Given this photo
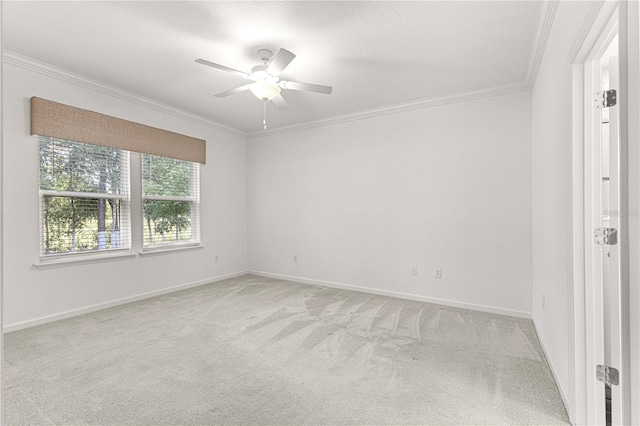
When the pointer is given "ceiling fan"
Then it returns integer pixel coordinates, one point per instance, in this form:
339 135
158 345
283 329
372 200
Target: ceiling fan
266 84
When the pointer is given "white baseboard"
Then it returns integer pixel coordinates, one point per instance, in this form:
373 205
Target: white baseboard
88 309
445 302
553 372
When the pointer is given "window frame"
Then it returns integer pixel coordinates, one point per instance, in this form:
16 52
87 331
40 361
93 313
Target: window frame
194 200
125 205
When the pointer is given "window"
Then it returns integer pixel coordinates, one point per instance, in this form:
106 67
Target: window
171 201
85 204
84 198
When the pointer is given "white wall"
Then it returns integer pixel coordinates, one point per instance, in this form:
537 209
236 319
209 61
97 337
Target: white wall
31 294
360 202
552 168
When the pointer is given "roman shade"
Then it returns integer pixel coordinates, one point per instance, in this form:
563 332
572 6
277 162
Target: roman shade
65 122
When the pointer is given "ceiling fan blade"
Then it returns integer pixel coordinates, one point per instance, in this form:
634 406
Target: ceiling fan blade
280 102
222 67
233 91
317 88
280 62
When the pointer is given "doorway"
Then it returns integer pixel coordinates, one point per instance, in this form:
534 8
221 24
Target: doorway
602 225
606 295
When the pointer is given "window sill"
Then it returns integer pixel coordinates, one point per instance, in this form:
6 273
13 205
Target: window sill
79 260
100 258
168 250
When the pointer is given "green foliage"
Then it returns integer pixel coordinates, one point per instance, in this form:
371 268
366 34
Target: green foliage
59 234
163 217
171 178
166 176
78 167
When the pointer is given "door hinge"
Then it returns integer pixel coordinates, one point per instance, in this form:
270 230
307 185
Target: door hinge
608 375
606 99
605 236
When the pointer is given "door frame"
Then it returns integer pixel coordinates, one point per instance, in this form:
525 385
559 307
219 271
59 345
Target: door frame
630 222
587 397
588 349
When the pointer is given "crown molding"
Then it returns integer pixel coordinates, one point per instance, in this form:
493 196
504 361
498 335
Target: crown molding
545 22
12 58
543 30
397 108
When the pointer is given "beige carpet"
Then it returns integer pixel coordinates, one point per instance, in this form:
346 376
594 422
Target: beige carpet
253 350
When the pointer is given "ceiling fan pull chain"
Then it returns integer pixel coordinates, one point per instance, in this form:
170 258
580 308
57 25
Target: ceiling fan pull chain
264 121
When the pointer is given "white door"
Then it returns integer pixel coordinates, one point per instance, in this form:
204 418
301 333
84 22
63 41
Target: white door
610 191
611 199
602 166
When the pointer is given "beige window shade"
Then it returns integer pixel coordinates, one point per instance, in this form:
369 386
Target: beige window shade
61 121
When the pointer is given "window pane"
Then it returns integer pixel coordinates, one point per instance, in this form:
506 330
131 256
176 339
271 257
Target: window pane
167 222
166 176
78 167
72 224
73 218
170 201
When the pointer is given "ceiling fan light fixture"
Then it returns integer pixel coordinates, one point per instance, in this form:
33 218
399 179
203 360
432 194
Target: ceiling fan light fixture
264 90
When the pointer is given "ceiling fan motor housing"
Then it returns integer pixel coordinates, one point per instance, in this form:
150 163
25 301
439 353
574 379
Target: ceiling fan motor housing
259 73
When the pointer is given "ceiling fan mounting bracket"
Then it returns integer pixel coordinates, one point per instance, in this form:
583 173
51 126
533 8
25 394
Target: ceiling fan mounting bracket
265 55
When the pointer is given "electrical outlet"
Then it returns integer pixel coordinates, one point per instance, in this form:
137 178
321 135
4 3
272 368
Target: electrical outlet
295 258
215 257
438 273
414 271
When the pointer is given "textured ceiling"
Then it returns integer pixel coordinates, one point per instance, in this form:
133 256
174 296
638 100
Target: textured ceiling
374 54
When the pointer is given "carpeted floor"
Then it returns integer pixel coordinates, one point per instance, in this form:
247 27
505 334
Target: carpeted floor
253 350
